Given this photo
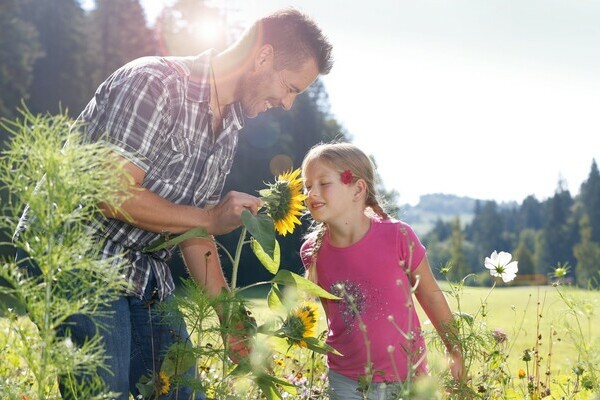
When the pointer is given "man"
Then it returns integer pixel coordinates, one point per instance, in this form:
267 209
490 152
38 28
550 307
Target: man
175 123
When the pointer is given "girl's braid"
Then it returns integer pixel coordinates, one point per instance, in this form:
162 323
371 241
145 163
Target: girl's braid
372 202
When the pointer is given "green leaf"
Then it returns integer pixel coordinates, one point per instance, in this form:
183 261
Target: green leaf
279 344
284 383
286 277
161 243
319 346
146 386
179 359
242 368
268 388
262 229
275 299
270 263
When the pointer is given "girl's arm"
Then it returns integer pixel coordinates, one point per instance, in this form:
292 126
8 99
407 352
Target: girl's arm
434 303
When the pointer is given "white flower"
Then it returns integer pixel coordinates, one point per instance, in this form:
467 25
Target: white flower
500 265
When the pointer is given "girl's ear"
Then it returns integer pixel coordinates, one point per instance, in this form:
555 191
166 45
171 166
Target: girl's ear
360 189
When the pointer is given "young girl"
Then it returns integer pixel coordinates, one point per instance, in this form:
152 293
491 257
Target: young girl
374 264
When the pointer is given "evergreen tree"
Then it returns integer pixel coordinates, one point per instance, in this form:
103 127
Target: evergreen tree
59 79
590 197
120 26
458 261
441 230
19 50
526 251
587 254
525 257
557 230
530 214
486 229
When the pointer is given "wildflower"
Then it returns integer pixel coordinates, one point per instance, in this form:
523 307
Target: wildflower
526 355
279 361
284 201
164 384
499 336
301 323
347 177
500 265
560 272
522 373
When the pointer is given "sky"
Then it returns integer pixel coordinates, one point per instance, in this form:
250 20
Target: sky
490 99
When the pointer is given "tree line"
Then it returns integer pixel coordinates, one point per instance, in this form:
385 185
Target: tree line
562 232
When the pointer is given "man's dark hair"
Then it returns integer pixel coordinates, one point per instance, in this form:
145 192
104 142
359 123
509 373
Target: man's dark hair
295 37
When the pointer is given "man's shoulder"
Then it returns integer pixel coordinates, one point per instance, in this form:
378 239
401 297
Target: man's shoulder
153 65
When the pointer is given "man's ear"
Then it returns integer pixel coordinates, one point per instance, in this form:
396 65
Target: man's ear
264 57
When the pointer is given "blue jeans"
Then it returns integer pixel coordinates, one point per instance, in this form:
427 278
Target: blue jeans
344 388
135 337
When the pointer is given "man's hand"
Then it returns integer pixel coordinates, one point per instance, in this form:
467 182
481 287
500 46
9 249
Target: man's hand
238 343
227 214
242 327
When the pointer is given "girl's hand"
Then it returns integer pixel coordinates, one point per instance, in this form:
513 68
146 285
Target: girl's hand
457 365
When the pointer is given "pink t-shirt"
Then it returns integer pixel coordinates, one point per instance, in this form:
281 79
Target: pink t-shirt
373 273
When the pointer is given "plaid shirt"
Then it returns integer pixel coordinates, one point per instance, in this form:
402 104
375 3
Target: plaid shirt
151 113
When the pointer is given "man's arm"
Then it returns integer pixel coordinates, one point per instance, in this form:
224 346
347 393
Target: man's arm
202 260
147 210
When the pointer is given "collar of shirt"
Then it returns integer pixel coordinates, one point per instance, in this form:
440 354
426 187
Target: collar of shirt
200 65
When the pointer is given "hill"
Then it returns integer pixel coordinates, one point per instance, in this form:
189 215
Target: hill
446 207
432 207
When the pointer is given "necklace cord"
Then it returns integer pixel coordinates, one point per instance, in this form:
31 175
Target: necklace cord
212 73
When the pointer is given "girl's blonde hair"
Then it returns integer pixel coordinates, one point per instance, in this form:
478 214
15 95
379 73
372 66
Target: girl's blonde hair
341 156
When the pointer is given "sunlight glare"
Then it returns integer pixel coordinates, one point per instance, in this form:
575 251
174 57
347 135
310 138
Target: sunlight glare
207 29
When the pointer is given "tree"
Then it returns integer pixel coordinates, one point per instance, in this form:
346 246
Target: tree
525 257
19 50
530 214
590 198
458 260
486 229
557 234
587 254
59 79
120 26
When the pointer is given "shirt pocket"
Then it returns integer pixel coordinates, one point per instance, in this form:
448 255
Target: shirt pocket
178 155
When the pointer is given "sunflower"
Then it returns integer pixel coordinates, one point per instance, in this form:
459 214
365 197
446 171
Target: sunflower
284 201
164 383
301 323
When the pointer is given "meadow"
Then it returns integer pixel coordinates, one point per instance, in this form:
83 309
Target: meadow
557 319
557 322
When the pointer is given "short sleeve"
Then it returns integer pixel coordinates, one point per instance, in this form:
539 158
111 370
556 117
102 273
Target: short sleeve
133 113
410 248
306 253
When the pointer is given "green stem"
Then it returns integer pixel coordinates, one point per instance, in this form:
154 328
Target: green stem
236 260
484 302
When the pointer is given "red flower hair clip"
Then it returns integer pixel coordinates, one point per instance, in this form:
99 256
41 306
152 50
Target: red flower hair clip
347 177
